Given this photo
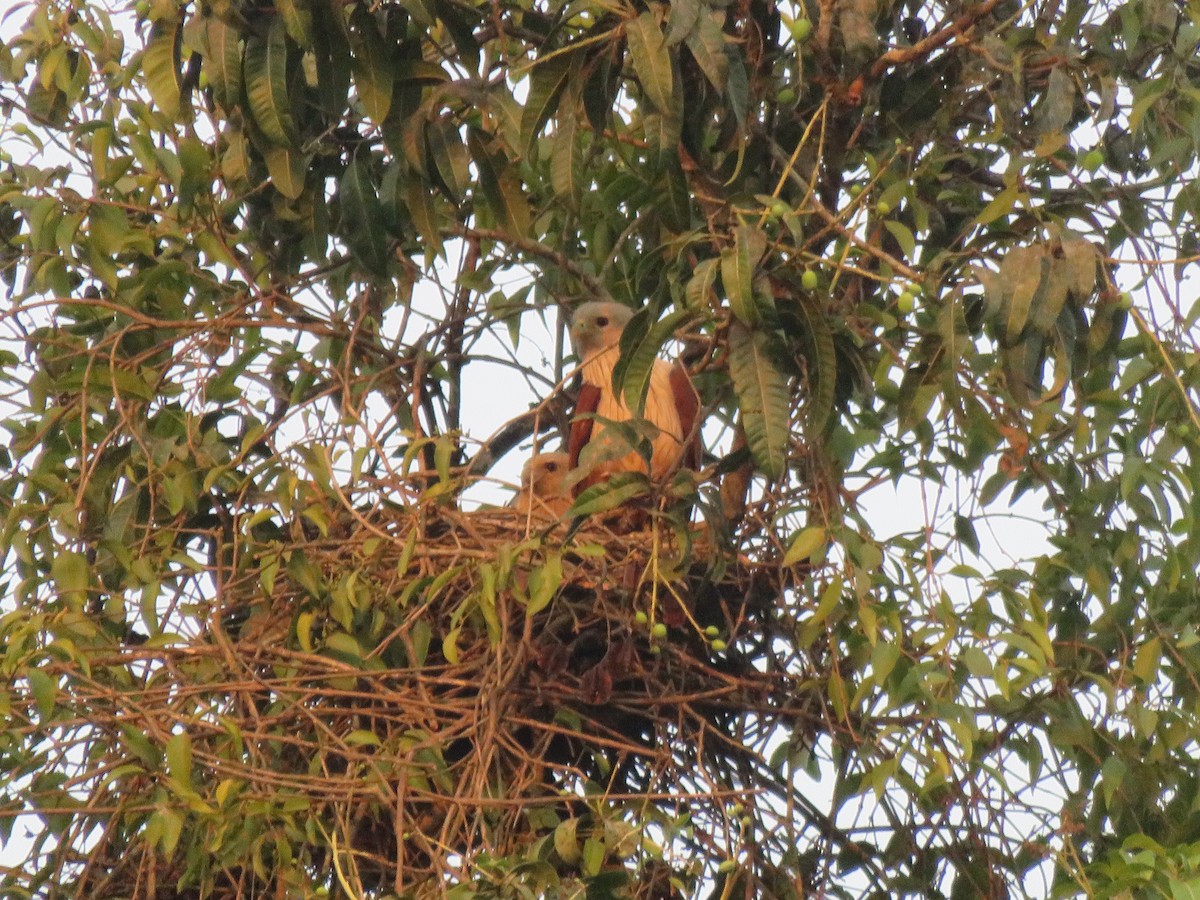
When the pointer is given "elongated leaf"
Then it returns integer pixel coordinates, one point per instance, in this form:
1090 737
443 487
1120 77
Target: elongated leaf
611 493
500 187
566 158
822 363
362 218
651 60
223 63
682 21
371 64
287 167
179 758
707 43
600 88
419 201
737 275
546 84
804 545
762 391
297 19
699 289
1030 274
639 352
676 199
331 51
160 66
449 156
662 134
265 71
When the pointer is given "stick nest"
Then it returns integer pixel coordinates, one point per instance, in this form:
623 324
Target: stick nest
411 695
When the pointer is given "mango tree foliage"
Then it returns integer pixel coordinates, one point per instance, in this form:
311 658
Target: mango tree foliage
933 263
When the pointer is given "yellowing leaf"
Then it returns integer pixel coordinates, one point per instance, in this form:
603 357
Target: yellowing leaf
651 60
160 66
804 545
762 391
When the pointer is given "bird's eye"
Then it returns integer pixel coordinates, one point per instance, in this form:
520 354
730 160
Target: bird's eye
602 321
551 467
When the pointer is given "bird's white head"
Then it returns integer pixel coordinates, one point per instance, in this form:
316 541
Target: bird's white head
597 326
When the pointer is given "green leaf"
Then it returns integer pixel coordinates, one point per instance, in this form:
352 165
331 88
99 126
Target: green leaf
544 582
546 84
763 396
265 68
297 19
804 545
651 60
44 690
419 199
682 20
822 362
566 158
640 346
449 155
371 64
288 168
611 493
160 66
707 43
223 63
72 575
178 752
501 189
737 275
699 287
362 218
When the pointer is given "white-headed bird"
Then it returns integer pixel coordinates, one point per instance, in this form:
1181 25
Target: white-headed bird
543 493
672 404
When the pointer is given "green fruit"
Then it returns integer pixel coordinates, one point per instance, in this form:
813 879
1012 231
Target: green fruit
747 822
712 631
779 209
142 9
906 302
718 645
640 617
736 810
1125 300
727 866
659 630
1093 160
883 207
809 280
855 190
801 29
786 96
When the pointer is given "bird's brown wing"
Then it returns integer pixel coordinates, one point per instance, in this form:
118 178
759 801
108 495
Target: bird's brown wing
581 425
687 404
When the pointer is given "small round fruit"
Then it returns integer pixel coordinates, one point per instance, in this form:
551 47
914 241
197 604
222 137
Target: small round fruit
747 822
883 207
718 645
655 649
659 630
801 29
786 96
1125 300
855 190
906 302
712 631
640 617
142 9
737 809
1092 160
809 280
727 866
